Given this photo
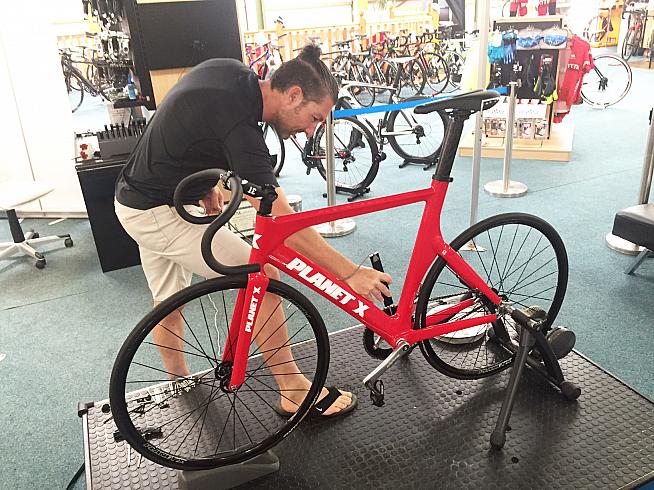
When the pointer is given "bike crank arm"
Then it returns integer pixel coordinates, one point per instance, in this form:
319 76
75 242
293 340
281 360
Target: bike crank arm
372 381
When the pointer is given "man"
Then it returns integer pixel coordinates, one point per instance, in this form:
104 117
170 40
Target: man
210 120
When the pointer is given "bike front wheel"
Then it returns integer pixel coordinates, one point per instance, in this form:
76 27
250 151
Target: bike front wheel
523 259
631 43
195 421
75 90
356 155
607 83
416 137
439 73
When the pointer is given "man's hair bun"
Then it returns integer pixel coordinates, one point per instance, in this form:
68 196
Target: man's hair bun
310 53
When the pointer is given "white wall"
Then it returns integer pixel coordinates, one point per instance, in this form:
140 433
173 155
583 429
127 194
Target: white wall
39 120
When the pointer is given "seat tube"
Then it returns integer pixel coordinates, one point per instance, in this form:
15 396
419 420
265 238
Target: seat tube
450 144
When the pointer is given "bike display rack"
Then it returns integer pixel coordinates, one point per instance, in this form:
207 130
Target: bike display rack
432 429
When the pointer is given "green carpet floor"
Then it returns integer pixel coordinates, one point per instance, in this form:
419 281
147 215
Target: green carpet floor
60 327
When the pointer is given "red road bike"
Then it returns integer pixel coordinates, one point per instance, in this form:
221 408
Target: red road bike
468 305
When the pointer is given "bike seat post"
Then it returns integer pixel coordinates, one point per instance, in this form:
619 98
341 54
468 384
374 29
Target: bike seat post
451 140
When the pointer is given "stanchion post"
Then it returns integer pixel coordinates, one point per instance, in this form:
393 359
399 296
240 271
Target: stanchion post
506 187
619 244
483 24
343 226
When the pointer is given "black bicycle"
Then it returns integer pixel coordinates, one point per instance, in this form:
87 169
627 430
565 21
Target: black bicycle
76 83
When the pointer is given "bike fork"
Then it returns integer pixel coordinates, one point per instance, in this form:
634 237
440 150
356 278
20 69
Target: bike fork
372 381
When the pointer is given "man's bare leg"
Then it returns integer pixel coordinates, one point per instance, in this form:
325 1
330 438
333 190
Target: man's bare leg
272 341
271 336
168 336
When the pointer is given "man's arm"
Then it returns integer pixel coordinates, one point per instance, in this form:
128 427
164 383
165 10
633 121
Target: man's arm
363 280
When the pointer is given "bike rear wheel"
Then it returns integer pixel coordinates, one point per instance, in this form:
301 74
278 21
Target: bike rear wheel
356 155
197 422
523 259
423 134
608 83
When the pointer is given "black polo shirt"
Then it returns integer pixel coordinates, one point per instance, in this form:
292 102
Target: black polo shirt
208 120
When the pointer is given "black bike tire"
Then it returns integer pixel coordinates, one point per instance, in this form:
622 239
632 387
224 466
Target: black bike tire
466 237
398 148
452 54
360 74
438 59
279 164
371 145
117 385
630 42
410 73
70 75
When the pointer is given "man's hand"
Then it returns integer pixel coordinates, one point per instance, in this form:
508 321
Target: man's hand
368 283
213 202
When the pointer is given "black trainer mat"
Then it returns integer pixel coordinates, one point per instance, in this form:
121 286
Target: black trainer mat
434 432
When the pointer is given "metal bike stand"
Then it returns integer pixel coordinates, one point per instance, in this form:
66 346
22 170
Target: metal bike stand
619 244
507 187
343 226
229 476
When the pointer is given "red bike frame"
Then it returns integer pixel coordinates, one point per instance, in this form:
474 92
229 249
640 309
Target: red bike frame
268 248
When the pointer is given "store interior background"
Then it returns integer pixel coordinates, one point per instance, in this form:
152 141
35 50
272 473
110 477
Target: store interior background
60 327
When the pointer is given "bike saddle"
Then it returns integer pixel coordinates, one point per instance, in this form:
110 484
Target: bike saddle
472 102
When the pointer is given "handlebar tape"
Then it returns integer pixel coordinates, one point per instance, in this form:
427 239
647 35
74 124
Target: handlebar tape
233 183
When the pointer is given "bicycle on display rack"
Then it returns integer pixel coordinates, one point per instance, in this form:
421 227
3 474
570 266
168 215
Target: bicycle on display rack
356 154
76 83
358 144
264 59
247 333
608 82
416 138
346 65
635 31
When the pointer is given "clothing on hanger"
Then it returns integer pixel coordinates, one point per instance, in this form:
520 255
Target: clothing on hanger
552 7
518 8
579 63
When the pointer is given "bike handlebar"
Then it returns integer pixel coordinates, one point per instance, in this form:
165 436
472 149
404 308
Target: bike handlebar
233 183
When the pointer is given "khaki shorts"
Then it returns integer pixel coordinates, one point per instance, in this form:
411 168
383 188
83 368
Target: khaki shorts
170 247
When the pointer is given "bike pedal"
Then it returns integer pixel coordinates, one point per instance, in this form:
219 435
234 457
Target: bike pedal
377 393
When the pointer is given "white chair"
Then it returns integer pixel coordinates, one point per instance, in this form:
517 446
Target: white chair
12 195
